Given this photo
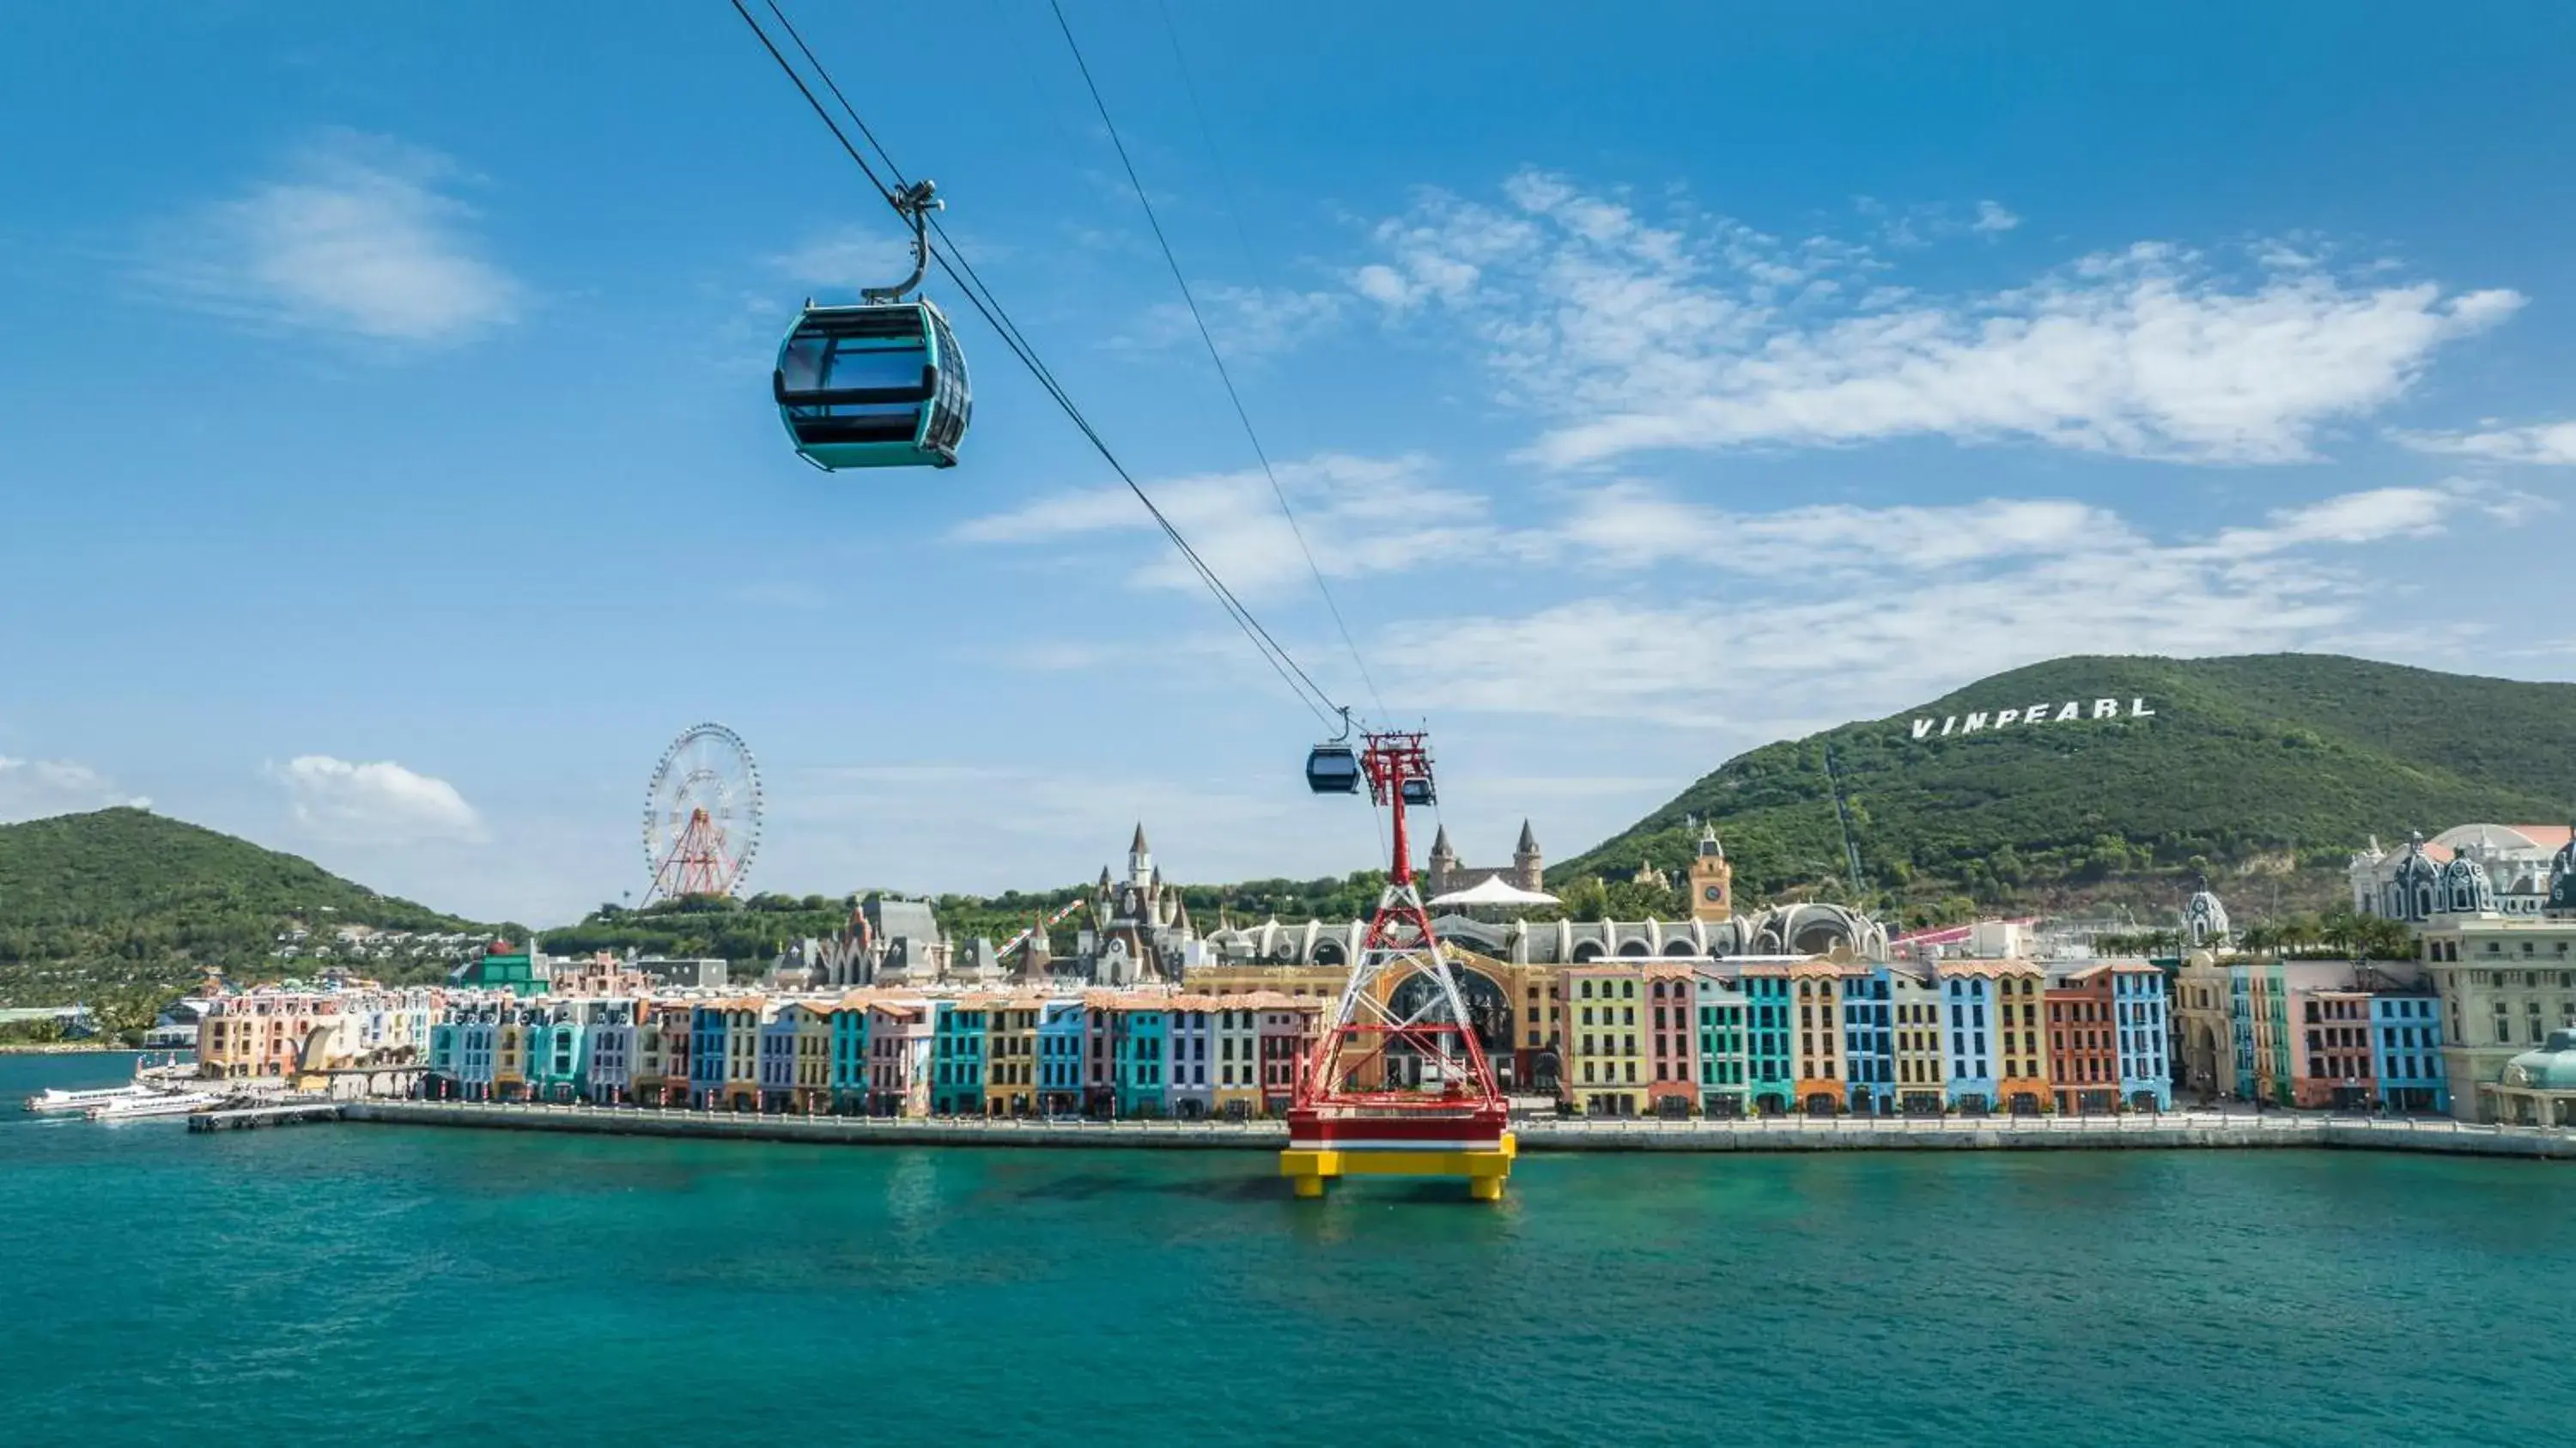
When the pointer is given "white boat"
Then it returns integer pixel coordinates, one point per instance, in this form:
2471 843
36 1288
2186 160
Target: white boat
156 1103
55 1098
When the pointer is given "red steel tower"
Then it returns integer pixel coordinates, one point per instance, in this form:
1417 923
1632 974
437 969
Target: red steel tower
1389 1092
697 864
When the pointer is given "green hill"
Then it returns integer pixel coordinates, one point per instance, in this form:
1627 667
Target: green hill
2280 763
122 900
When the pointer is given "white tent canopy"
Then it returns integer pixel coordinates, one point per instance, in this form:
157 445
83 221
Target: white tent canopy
1492 891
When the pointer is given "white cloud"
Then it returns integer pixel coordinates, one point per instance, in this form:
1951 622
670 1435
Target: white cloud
848 259
356 238
1853 611
1247 322
1359 515
1993 218
379 802
2550 444
1628 336
38 788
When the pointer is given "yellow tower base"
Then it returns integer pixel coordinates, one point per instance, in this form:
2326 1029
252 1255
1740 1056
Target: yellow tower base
1485 1171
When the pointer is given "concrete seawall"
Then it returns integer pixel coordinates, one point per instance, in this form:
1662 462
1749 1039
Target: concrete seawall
2188 1130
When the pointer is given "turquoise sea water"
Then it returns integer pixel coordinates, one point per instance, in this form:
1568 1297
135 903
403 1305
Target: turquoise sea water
388 1285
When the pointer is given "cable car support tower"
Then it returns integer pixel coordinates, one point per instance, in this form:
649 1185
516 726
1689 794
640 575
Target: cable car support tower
1389 1093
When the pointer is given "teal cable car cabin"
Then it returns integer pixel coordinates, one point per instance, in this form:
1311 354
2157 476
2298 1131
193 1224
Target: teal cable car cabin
877 385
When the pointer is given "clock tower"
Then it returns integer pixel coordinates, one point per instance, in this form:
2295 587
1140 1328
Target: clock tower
1712 880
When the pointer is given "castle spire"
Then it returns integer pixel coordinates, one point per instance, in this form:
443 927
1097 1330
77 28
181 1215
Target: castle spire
1529 840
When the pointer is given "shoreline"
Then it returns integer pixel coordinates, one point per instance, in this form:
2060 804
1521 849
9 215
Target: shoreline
2171 1131
66 1048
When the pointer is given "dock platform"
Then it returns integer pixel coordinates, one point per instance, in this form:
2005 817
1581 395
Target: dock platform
245 1118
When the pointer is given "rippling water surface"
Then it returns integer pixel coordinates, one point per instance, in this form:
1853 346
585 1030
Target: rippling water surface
390 1285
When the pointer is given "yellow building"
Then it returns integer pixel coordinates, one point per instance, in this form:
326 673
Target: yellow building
742 1053
1605 1063
1011 1055
510 1060
2021 1058
1921 1076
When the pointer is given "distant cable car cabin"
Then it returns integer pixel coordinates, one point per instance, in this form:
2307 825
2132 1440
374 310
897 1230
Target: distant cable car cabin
1417 791
881 384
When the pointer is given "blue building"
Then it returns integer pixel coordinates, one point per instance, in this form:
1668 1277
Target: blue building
1139 1054
1869 1043
1768 1061
706 1055
777 1062
2146 1073
957 1060
850 1060
1967 1001
2240 1018
1060 1037
2406 1052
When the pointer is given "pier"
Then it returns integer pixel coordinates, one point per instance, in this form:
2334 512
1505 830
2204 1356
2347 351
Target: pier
2169 1131
245 1118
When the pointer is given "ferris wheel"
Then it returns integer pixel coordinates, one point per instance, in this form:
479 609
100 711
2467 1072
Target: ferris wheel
701 815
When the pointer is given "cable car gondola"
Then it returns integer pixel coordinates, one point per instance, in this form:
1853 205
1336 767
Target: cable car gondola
881 384
1417 791
1332 769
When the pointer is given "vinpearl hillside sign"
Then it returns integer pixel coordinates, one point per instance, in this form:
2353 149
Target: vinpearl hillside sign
2072 711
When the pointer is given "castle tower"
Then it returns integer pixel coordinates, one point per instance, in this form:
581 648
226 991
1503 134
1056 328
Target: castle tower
1526 863
1140 859
1712 880
1441 877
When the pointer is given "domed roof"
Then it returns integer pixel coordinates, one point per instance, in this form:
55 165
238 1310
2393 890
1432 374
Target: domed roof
2551 1068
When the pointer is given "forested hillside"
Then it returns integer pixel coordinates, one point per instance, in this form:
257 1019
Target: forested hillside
2269 765
121 900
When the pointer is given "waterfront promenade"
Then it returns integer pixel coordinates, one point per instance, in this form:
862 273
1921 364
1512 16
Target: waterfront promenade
2175 1130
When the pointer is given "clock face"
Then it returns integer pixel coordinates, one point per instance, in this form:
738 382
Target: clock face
1712 894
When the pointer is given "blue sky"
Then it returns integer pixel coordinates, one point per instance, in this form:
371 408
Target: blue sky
389 468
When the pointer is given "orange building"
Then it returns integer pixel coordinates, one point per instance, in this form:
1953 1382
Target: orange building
2083 1040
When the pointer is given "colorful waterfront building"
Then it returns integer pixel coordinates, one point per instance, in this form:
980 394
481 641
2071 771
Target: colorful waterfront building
900 1039
1191 1096
1289 1028
2023 1087
1238 1058
2331 1056
609 1045
1869 1038
1010 1055
1139 1049
1770 1061
478 1043
1673 1055
2406 1051
706 1054
2139 995
849 1075
558 1062
510 1057
1099 1054
1604 1065
1817 1072
2083 1039
1718 1049
1061 1036
1914 1007
957 1057
1968 1001
795 1059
